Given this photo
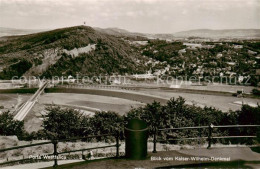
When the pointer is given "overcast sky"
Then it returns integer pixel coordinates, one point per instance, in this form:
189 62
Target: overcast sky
149 16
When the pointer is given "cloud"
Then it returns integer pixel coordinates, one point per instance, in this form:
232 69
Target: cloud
134 15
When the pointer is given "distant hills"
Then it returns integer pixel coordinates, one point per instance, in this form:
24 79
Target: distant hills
13 32
118 32
201 33
226 33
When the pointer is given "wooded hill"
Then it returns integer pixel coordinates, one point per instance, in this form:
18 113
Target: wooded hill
67 51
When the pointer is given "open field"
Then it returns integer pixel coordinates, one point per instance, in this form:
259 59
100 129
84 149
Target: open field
220 87
195 86
79 101
117 93
223 103
12 101
105 103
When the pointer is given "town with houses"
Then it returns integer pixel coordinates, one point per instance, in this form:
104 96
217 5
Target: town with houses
219 58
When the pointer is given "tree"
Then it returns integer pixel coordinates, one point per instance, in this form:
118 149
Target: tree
62 123
106 123
249 115
9 126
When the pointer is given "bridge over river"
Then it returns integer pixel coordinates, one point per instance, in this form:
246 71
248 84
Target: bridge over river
26 107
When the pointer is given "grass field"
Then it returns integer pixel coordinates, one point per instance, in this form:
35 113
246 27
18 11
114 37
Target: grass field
223 103
12 101
79 101
105 103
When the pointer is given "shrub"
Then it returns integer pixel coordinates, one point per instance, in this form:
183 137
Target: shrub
106 122
68 123
9 126
256 92
62 123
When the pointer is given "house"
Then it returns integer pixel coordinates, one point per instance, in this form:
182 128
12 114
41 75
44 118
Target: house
182 51
219 55
148 75
258 56
231 63
251 52
237 46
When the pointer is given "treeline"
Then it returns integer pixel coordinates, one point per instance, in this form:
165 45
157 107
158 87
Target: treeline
63 123
16 69
165 51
